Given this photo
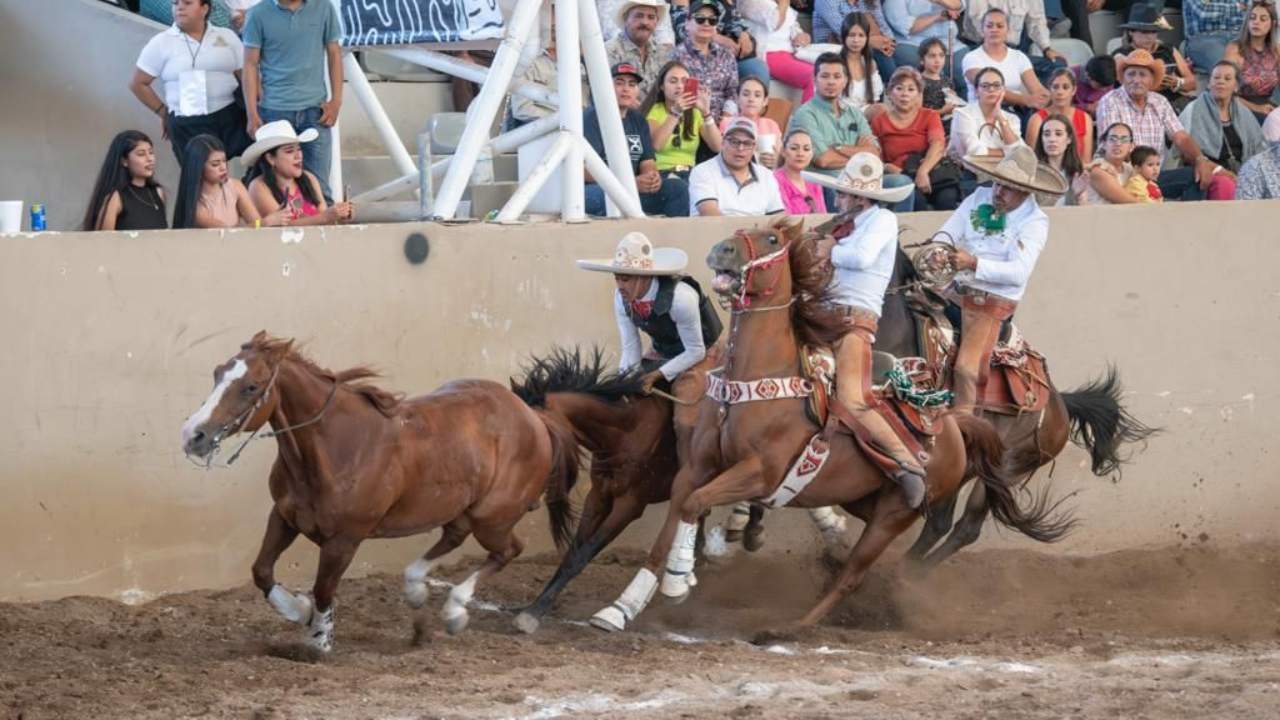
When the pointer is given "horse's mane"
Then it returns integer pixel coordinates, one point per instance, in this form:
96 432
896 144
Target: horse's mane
811 314
384 401
572 371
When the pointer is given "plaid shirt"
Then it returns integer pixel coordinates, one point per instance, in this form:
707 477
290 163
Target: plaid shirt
1151 124
1259 177
1213 16
717 71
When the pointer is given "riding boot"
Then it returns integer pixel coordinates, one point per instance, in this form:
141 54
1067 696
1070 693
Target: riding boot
910 474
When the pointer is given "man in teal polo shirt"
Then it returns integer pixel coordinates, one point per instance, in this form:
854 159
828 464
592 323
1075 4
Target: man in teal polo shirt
838 131
287 44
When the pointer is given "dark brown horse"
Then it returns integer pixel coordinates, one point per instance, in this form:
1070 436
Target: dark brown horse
1092 417
357 462
743 451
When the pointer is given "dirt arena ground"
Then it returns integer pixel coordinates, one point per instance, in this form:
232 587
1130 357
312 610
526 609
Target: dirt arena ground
1188 632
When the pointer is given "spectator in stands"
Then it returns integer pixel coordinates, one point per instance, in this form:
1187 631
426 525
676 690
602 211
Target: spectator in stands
799 196
1152 120
707 58
658 195
279 180
678 120
983 127
1028 25
199 67
287 45
752 98
1209 26
1109 174
1179 84
828 20
938 94
1260 176
914 21
731 33
776 28
541 71
1062 91
1078 11
637 45
1224 128
1056 146
126 195
239 10
614 19
913 143
838 131
1022 89
208 197
1095 79
731 183
1142 186
865 88
1257 54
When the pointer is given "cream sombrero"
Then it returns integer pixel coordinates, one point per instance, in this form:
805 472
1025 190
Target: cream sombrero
863 175
1019 168
273 135
637 256
659 6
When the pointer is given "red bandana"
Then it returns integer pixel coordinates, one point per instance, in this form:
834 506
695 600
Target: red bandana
642 308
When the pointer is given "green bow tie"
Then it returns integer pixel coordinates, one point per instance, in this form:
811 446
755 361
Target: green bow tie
986 218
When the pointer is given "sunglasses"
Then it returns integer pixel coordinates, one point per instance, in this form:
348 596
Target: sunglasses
705 19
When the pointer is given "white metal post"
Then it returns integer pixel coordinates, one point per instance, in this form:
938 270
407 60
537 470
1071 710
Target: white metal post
610 119
533 183
569 85
626 200
376 114
486 105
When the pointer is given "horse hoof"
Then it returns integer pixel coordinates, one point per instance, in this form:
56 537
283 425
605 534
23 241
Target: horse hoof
609 619
527 623
320 642
457 623
416 594
753 541
773 635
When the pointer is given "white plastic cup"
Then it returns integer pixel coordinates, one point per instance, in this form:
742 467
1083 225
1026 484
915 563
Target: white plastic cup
11 216
768 144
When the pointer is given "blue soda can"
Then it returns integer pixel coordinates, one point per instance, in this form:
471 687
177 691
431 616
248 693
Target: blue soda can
37 217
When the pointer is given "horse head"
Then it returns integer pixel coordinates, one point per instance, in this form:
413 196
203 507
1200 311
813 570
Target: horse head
242 397
752 265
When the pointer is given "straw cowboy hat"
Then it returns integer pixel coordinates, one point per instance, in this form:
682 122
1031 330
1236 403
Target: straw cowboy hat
863 176
1020 169
1141 58
637 256
659 6
1146 17
273 135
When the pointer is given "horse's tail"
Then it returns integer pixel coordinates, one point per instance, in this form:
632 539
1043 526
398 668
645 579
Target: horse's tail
566 461
1101 424
1042 521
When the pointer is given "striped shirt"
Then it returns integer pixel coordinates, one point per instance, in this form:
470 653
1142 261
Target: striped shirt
1151 124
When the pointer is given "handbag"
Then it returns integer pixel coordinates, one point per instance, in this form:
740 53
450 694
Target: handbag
945 174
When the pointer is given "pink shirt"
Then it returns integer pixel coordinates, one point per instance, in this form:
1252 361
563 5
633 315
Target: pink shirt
796 202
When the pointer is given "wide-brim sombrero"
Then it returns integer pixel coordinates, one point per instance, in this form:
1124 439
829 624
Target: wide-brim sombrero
1019 168
637 256
863 176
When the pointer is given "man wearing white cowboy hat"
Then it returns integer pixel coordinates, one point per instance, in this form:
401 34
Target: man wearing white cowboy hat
997 235
863 261
655 297
641 43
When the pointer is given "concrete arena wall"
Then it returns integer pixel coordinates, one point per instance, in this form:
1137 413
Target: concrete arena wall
111 338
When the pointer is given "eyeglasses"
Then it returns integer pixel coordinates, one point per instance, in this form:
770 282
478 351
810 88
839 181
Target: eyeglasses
991 86
741 143
705 19
1121 139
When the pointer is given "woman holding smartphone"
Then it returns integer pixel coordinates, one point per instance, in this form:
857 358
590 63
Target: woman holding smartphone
677 110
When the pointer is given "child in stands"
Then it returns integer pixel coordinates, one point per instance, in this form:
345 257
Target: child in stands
938 94
753 95
1146 168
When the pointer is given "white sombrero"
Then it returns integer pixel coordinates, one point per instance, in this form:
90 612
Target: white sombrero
1021 169
863 175
273 135
637 256
660 6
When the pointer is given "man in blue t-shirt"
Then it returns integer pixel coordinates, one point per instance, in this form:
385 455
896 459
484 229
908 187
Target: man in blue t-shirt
658 195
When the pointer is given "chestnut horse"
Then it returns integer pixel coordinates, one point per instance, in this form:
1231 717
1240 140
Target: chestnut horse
743 451
1093 417
357 462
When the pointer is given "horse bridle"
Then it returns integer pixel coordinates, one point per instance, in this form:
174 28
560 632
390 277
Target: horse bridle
755 262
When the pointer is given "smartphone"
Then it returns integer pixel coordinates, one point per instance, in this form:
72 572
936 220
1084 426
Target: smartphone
691 86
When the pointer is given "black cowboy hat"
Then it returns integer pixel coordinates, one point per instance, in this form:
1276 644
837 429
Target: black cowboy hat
1147 17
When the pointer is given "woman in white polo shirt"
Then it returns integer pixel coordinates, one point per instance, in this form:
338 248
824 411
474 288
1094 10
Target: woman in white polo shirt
1023 89
198 65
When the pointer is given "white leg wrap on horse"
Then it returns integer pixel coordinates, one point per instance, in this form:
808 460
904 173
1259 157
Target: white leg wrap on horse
828 521
628 605
415 581
294 608
455 608
739 516
320 630
676 582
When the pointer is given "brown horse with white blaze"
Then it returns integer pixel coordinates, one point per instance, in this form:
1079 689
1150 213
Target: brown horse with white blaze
357 462
743 451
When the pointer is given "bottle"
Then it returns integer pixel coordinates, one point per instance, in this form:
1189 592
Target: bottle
38 217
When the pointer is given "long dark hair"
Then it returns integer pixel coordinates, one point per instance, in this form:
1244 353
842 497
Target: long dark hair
857 19
264 170
685 127
114 176
1268 40
194 158
1071 162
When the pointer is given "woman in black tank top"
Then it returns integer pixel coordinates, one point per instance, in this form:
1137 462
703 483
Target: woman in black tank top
126 196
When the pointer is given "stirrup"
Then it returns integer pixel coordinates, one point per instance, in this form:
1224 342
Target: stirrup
912 486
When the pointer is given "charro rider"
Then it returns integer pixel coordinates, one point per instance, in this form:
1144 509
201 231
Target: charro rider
654 296
996 234
863 259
